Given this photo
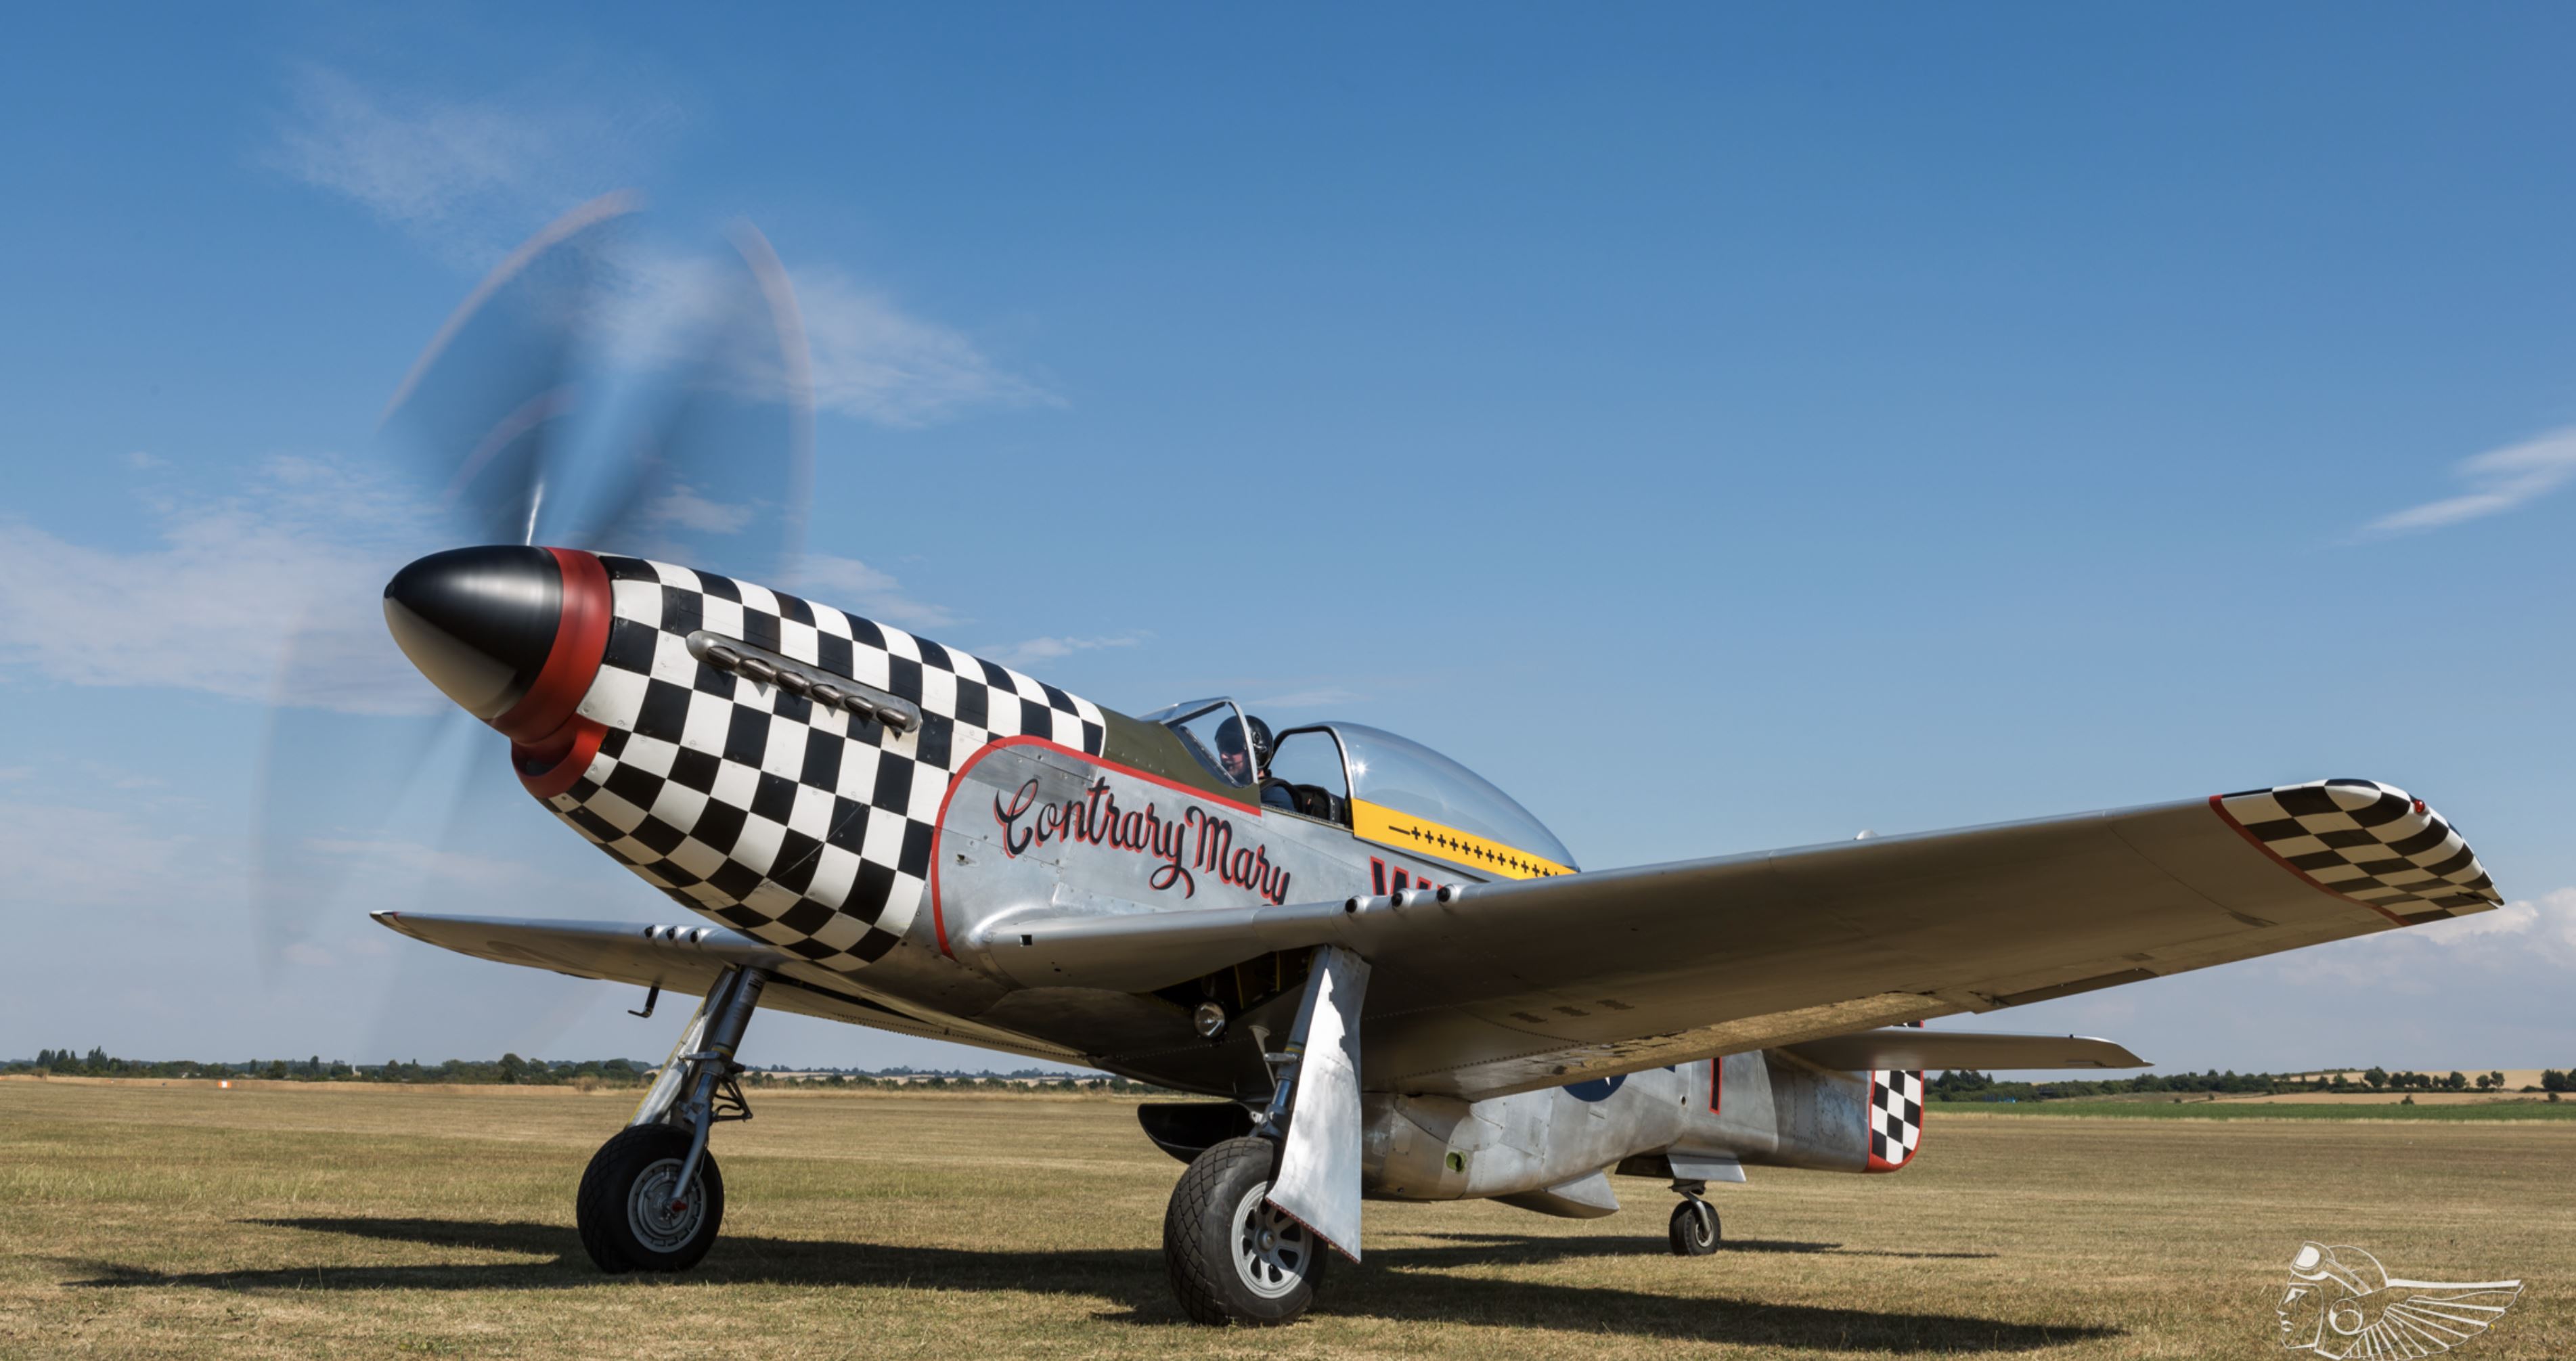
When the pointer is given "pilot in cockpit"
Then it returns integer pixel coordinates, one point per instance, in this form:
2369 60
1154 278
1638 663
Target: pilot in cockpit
1249 762
1244 762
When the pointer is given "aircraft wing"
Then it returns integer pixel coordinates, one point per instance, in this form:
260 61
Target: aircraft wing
684 961
1511 986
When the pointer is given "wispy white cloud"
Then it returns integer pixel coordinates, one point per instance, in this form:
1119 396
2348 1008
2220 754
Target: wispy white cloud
874 361
306 905
868 357
73 859
2411 959
328 879
1056 649
684 508
119 778
2499 480
847 583
466 177
470 177
296 553
2548 921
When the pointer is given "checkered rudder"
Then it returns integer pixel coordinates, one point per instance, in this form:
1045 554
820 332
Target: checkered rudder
807 828
1895 1119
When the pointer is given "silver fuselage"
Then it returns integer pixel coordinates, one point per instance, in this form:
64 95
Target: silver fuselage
1019 822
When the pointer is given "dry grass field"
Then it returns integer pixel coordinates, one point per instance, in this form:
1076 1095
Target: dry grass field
293 1220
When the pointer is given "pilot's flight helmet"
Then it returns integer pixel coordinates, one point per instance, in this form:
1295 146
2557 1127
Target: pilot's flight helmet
1229 740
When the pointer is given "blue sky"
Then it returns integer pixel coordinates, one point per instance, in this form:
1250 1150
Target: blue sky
1724 428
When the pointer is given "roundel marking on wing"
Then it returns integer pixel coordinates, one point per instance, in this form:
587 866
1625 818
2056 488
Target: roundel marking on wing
1598 1089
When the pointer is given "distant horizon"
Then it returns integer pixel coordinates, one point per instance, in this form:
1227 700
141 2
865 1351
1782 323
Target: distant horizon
907 1070
897 1070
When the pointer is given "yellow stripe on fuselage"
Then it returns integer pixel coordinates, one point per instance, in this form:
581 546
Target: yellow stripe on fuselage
1422 836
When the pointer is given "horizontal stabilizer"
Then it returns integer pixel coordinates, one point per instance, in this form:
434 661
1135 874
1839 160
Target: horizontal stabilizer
1906 1049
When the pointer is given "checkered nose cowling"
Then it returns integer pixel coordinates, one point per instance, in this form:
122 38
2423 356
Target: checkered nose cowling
807 827
1895 1119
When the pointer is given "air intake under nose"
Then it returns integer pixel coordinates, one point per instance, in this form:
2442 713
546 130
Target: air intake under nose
512 634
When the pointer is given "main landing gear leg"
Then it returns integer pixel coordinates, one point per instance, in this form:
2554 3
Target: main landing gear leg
1233 1254
1695 1231
652 1198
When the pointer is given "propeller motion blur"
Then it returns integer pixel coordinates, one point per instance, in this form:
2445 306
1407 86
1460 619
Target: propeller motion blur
1386 977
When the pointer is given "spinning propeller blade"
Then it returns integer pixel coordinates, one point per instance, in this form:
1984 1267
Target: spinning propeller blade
574 399
717 472
482 411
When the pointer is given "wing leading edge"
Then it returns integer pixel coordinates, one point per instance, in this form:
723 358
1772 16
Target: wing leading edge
685 960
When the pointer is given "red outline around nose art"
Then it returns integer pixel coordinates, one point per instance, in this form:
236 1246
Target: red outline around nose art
550 744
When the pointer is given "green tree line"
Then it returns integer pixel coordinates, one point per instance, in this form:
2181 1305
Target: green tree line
1967 1085
512 1070
509 1068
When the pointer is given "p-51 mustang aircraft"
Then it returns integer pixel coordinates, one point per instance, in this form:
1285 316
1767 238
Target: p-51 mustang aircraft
1388 980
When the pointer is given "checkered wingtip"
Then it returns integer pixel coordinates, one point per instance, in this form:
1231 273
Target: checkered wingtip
809 828
2363 840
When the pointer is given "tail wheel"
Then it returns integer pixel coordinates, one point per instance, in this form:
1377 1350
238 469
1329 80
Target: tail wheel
632 1212
1695 1231
1232 1258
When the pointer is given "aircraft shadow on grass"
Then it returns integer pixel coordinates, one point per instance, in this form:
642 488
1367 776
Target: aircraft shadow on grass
1402 1283
1467 1248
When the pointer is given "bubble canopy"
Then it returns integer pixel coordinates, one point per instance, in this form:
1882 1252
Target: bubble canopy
1375 765
1407 776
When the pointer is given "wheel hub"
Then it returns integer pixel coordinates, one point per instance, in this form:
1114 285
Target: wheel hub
1272 1252
665 1219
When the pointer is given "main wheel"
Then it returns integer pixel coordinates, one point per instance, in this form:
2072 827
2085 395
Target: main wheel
1232 1258
625 1209
1695 1230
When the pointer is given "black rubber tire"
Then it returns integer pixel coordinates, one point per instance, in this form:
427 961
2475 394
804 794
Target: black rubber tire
1199 1239
603 1207
1695 1230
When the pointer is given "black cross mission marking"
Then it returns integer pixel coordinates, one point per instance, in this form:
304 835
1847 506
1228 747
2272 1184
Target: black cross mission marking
1457 847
